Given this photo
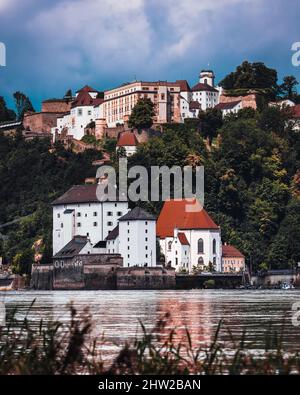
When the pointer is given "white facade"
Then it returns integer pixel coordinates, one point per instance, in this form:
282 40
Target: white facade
205 248
129 149
177 254
94 220
137 242
232 110
85 109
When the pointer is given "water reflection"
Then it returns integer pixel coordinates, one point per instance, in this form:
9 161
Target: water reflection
117 313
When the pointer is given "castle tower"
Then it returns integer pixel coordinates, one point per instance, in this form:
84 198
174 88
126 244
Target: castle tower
207 77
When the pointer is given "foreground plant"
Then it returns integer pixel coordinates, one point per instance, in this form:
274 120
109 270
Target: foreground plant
60 348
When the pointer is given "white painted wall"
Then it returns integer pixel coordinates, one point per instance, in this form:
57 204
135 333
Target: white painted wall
137 242
193 236
93 219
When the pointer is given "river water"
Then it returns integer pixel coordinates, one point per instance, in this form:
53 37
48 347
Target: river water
117 313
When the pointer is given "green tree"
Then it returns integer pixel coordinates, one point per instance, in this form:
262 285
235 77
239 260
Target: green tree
22 262
252 76
285 250
288 87
5 113
211 121
141 115
23 104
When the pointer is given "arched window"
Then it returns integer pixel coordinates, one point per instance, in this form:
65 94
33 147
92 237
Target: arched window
200 246
170 245
214 246
200 261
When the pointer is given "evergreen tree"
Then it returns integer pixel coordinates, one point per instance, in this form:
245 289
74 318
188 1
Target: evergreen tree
141 115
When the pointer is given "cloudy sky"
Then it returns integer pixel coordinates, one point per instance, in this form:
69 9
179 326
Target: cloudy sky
53 45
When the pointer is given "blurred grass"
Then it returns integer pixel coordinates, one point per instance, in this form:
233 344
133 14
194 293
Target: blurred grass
58 348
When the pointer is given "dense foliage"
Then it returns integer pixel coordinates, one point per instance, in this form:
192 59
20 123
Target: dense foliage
251 180
141 115
32 175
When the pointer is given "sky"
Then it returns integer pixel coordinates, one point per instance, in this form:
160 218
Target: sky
54 45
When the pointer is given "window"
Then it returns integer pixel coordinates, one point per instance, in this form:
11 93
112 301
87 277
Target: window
95 213
146 255
146 230
214 261
200 246
95 223
128 247
109 213
119 213
78 224
146 223
214 246
58 215
78 214
61 225
169 246
176 261
200 261
146 238
89 112
146 247
79 111
109 223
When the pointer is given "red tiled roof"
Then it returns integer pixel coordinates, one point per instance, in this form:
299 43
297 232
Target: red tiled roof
182 238
227 106
296 111
175 214
127 139
184 85
203 87
83 99
229 251
87 88
195 105
81 194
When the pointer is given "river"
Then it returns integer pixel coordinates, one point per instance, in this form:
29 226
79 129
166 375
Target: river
117 313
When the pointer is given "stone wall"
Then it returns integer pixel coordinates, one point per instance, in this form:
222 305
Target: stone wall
56 105
145 278
41 121
42 277
95 276
247 101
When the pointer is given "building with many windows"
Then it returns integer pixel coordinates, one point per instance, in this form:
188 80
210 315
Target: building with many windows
120 101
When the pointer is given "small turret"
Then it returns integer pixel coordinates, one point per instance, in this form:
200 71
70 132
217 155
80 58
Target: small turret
207 77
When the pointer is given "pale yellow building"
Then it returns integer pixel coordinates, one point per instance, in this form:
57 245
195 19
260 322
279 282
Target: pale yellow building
119 102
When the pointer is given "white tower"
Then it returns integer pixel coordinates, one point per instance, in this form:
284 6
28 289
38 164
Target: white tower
207 77
137 235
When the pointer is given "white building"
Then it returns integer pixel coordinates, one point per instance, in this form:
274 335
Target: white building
205 92
134 238
189 238
128 141
87 107
79 212
230 108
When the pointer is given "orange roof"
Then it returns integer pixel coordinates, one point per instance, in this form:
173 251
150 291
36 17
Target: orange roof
127 138
182 238
229 251
182 214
